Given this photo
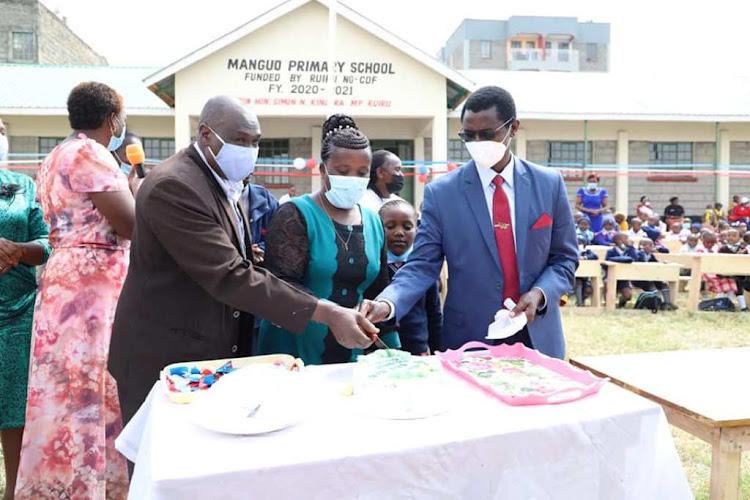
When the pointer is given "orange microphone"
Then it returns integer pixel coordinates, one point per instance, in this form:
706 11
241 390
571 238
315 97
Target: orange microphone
137 158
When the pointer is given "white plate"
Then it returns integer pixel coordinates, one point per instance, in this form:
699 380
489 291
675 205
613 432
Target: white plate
283 397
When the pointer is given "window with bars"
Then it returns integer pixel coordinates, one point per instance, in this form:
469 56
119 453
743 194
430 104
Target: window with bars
22 46
486 49
457 151
274 152
670 153
158 149
569 153
47 144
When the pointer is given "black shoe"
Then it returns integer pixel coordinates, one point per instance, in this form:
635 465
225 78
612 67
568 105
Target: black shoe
744 310
667 306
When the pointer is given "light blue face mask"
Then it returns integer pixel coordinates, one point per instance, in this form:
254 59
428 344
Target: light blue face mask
592 186
237 162
126 168
399 258
116 142
345 191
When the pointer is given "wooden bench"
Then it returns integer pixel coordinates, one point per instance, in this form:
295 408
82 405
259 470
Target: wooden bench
710 263
673 246
599 250
640 271
592 270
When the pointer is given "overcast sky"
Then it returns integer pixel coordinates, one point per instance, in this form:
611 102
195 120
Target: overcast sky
649 37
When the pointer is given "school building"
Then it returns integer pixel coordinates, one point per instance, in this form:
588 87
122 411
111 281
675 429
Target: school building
686 137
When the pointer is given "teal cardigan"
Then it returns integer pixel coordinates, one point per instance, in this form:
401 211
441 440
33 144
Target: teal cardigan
321 268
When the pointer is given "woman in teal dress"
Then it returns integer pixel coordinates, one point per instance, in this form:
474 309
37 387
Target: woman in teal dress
23 245
329 246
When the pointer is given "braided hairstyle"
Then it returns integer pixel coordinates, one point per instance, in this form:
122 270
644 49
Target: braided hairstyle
395 204
341 131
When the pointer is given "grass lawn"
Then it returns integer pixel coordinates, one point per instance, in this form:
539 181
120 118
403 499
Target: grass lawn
593 333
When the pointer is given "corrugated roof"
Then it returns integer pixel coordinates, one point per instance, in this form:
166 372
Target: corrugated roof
44 89
605 96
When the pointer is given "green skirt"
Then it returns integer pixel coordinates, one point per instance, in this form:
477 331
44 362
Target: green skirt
15 350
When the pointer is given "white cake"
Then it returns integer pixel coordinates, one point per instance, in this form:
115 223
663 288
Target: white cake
395 384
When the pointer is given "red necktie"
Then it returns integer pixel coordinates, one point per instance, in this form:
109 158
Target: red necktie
506 247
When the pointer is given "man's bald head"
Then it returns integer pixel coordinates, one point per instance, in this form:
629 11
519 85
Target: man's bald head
227 117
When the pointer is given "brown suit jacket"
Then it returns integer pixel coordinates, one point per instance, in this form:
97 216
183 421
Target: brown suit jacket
188 284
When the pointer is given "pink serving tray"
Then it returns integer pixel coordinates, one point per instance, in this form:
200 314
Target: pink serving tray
591 384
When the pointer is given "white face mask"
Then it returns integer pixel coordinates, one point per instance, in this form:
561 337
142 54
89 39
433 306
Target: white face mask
237 162
3 146
487 154
345 191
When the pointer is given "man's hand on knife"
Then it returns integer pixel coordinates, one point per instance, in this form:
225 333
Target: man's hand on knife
350 327
376 311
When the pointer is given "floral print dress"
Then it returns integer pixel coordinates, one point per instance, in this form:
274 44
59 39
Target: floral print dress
73 414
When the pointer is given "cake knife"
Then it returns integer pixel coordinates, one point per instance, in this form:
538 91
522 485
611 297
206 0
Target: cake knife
381 345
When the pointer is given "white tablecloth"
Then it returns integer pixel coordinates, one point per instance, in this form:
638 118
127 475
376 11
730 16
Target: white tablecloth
614 445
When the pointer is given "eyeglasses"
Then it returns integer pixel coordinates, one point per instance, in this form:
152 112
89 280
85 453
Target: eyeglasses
487 134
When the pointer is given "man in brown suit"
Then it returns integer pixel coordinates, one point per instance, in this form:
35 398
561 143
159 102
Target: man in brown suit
192 289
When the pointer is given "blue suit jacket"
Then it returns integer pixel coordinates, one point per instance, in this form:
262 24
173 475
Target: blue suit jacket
261 206
456 225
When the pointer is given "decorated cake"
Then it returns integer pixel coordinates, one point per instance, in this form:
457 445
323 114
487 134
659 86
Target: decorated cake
515 376
395 384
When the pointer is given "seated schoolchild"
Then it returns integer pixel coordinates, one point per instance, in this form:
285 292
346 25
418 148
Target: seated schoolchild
621 223
659 244
675 232
636 229
577 216
624 252
692 244
583 229
646 254
583 285
721 286
608 232
735 245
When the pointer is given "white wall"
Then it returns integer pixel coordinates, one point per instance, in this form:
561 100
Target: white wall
414 89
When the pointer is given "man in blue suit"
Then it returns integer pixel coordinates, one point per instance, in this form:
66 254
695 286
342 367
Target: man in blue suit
505 227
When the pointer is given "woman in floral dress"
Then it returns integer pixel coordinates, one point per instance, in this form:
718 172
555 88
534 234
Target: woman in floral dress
73 414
